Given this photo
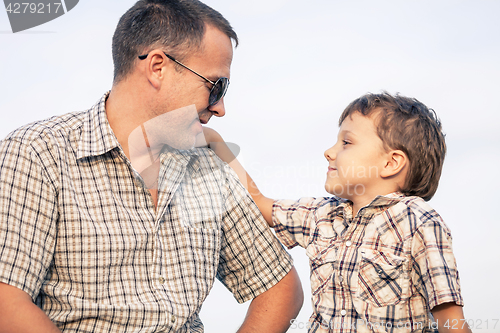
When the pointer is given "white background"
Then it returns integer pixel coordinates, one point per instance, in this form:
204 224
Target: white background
298 66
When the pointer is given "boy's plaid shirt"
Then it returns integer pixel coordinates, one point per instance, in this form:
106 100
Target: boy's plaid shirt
382 270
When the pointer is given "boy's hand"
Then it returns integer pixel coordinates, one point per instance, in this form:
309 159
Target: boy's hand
207 136
450 318
212 139
228 152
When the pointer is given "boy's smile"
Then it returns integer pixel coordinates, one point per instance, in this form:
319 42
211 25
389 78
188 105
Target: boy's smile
356 160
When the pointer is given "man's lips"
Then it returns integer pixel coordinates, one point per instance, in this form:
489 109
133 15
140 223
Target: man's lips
204 117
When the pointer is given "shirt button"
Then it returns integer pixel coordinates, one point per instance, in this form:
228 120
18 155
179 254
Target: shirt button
162 280
343 312
348 243
341 278
173 319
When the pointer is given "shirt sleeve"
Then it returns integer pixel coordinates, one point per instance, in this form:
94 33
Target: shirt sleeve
295 220
251 258
436 275
28 212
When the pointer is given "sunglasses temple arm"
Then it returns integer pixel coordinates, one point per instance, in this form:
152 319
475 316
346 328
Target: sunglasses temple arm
186 67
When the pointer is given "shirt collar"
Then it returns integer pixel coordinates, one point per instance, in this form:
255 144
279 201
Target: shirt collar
97 136
386 200
381 202
341 205
183 157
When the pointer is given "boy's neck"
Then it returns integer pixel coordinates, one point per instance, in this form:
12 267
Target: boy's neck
356 206
359 202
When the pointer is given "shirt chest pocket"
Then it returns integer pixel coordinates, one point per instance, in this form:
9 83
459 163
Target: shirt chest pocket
322 257
382 278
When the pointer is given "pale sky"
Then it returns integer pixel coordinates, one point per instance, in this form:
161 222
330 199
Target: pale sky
297 67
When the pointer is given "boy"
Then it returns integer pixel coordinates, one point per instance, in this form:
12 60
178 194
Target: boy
381 259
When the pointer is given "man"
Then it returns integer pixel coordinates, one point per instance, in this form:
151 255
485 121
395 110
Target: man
93 238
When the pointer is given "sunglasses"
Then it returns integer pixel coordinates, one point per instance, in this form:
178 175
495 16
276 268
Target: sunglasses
219 87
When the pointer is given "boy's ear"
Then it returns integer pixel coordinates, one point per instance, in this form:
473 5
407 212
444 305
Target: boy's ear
395 163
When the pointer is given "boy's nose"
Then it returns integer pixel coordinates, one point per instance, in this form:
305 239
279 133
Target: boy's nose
330 154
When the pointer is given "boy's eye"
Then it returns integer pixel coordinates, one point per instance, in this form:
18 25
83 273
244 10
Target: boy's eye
344 142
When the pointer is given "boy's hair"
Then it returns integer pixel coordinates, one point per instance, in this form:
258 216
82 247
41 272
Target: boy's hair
406 124
176 25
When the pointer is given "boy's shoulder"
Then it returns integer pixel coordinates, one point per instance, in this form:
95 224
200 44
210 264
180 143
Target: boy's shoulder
415 213
420 208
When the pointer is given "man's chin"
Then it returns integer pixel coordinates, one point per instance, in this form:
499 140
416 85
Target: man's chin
183 144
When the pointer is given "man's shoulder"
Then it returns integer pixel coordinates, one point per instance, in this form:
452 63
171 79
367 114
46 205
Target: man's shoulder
208 160
213 169
205 153
60 126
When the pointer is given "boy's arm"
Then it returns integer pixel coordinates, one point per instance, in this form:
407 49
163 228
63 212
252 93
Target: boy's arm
217 144
450 318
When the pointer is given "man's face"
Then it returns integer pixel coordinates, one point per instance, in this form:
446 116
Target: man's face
184 105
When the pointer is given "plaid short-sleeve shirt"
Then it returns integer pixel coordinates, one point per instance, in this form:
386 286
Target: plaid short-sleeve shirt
380 271
80 234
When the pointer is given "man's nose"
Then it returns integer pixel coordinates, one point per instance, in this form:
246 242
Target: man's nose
218 109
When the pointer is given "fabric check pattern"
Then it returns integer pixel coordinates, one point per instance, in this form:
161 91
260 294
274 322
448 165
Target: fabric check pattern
80 234
380 271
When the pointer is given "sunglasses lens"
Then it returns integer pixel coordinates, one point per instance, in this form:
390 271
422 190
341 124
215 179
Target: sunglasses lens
218 90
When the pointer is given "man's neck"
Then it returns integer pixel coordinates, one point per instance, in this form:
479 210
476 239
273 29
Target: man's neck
124 108
124 111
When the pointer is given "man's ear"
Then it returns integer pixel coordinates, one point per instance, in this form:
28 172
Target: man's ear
395 164
155 65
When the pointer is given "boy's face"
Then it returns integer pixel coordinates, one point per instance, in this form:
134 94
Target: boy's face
356 160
